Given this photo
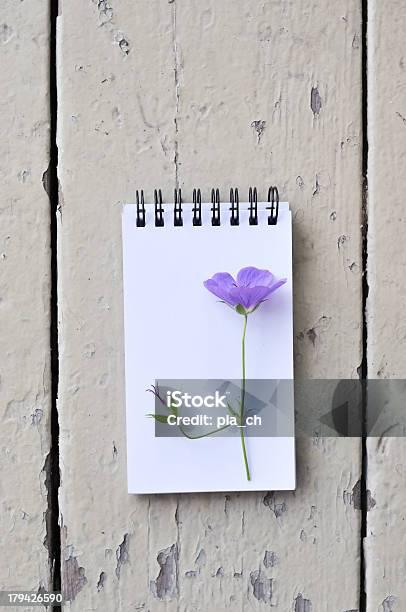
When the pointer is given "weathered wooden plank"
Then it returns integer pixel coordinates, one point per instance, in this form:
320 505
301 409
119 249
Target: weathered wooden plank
386 539
24 294
117 131
220 93
261 101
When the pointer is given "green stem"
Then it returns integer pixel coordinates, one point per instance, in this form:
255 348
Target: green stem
209 433
242 403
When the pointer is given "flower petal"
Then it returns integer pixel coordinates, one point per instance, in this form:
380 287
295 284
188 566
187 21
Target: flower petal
220 290
278 283
224 279
251 297
254 277
253 287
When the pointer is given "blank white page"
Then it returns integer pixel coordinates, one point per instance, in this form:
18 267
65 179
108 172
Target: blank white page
176 329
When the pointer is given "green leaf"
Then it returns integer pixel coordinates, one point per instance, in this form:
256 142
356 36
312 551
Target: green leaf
231 411
240 309
173 410
161 418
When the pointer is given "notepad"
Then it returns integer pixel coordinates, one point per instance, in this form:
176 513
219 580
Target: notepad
176 330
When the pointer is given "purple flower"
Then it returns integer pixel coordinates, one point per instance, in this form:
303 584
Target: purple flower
252 287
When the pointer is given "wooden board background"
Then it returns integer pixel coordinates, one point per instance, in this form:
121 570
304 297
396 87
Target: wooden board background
385 544
183 93
177 104
24 296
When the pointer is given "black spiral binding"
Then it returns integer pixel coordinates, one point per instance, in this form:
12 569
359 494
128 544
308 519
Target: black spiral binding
273 198
253 208
273 201
140 209
197 207
235 207
159 211
177 211
215 208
